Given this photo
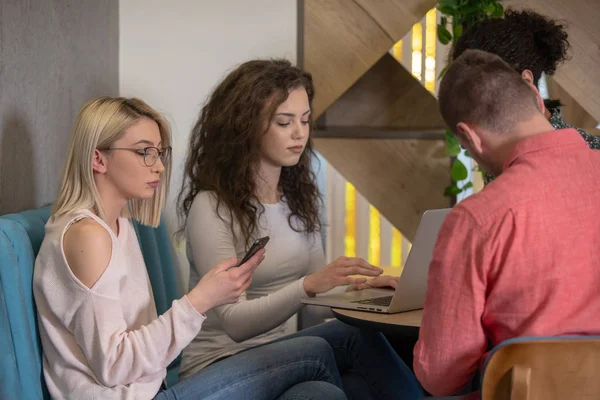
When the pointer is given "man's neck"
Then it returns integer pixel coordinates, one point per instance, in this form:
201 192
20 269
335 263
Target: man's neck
521 131
532 127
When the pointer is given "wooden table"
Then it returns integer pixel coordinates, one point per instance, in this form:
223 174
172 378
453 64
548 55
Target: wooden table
404 323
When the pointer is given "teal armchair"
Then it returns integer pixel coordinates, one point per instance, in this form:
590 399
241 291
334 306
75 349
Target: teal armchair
21 236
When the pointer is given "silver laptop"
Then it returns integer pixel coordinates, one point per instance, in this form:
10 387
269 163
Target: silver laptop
412 285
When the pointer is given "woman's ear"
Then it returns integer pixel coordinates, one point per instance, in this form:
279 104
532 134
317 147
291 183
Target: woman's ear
99 162
527 75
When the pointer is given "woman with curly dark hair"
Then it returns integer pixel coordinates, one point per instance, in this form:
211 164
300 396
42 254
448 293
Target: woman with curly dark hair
532 44
248 175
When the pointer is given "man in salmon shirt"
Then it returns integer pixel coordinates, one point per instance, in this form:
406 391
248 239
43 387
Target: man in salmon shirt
521 257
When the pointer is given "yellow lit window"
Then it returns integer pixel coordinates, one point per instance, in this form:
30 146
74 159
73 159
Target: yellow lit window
430 41
350 239
397 51
374 236
417 50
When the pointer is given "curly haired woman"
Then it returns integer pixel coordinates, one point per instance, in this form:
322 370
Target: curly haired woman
248 175
532 44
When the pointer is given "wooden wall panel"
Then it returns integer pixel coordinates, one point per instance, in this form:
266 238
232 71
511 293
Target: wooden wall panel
401 177
386 13
386 96
345 46
341 42
572 112
343 39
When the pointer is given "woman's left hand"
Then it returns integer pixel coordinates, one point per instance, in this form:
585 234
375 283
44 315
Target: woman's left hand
378 282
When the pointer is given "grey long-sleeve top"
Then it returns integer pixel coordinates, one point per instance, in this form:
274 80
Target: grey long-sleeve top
277 286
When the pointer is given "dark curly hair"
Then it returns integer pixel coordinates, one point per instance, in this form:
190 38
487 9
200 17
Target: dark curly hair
524 39
224 148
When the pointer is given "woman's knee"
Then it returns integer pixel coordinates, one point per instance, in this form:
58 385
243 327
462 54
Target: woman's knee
311 345
312 342
317 352
313 390
363 334
343 329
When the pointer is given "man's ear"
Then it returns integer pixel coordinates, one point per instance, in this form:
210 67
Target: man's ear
99 162
469 138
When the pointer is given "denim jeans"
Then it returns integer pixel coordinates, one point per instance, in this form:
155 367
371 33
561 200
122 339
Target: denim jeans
369 366
302 368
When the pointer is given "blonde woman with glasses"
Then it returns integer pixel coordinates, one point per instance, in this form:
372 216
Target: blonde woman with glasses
101 335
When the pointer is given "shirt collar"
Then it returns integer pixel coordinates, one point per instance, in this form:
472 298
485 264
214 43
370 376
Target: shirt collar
547 140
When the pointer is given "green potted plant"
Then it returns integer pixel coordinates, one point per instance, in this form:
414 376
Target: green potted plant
457 16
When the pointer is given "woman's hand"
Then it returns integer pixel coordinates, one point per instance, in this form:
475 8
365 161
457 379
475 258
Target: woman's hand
337 273
379 282
222 285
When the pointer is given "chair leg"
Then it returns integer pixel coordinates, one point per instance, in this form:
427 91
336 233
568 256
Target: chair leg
520 383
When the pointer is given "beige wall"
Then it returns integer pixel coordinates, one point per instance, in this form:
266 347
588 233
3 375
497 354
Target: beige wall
172 57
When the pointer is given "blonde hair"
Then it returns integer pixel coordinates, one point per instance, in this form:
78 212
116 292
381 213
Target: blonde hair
99 124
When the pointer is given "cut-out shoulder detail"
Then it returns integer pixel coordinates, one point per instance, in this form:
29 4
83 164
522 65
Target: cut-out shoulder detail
87 246
110 342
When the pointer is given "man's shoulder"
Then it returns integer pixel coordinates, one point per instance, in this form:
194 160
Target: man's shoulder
484 207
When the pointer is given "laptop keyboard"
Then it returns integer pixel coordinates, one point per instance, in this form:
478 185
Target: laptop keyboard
379 301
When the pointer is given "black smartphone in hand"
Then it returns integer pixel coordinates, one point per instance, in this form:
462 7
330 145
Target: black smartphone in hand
256 246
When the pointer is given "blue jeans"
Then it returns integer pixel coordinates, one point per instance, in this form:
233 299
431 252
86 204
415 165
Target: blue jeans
369 366
302 368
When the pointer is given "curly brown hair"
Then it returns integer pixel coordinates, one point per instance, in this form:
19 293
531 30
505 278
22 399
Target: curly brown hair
224 148
524 39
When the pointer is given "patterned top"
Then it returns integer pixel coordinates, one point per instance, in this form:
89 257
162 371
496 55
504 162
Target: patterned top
558 122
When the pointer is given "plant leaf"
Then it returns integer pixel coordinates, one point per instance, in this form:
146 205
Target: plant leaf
489 9
442 72
444 35
451 4
458 171
469 9
445 10
464 13
451 190
498 11
452 145
457 31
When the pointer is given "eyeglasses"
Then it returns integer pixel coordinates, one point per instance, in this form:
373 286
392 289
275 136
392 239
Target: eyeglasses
150 154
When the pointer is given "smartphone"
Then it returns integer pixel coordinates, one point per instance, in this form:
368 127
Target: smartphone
256 246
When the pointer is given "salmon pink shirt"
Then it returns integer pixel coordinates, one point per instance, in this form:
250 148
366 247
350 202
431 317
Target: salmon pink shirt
520 258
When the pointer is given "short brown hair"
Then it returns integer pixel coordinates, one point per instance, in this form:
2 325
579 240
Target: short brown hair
480 88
